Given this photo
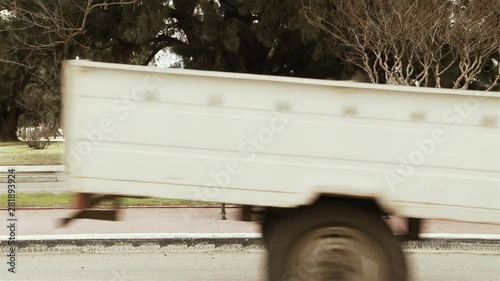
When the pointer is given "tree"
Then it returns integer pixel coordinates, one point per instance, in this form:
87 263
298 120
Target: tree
453 44
13 79
36 37
294 47
258 37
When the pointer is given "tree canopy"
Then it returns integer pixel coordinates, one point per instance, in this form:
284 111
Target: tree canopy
432 43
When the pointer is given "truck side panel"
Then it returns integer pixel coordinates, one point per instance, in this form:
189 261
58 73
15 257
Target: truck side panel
282 142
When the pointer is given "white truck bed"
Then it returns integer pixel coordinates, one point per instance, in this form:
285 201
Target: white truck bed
283 142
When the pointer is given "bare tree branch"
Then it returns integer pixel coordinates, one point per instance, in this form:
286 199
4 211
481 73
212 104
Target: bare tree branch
410 42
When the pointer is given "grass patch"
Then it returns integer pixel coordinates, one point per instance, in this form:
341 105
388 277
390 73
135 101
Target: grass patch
39 200
51 200
19 154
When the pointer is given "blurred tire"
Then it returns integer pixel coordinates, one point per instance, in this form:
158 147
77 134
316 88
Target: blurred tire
333 242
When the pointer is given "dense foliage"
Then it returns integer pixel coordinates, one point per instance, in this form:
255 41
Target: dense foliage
287 37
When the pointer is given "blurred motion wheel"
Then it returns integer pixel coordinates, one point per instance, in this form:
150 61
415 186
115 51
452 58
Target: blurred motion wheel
334 242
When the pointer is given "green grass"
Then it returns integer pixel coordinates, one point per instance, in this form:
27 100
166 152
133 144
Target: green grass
19 154
50 200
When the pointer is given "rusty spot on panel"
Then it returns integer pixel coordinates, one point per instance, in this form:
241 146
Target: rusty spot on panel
489 121
418 116
151 96
215 100
350 110
282 106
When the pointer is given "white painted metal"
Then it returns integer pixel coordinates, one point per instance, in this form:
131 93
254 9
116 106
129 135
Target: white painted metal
275 141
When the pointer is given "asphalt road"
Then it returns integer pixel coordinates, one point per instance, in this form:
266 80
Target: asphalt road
37 187
221 266
53 182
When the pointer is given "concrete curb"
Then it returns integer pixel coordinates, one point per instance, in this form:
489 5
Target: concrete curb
207 242
34 169
32 177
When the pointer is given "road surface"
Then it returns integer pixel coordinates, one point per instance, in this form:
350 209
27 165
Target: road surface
27 182
186 220
221 266
38 187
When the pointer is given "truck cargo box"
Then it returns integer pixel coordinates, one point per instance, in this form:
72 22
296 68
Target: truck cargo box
281 142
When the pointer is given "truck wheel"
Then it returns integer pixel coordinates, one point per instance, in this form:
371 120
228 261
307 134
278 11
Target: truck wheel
267 227
334 242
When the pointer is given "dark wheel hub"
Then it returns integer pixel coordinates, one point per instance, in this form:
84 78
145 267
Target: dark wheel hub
336 253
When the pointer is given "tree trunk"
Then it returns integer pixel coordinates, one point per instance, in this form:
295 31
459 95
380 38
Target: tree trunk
8 125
